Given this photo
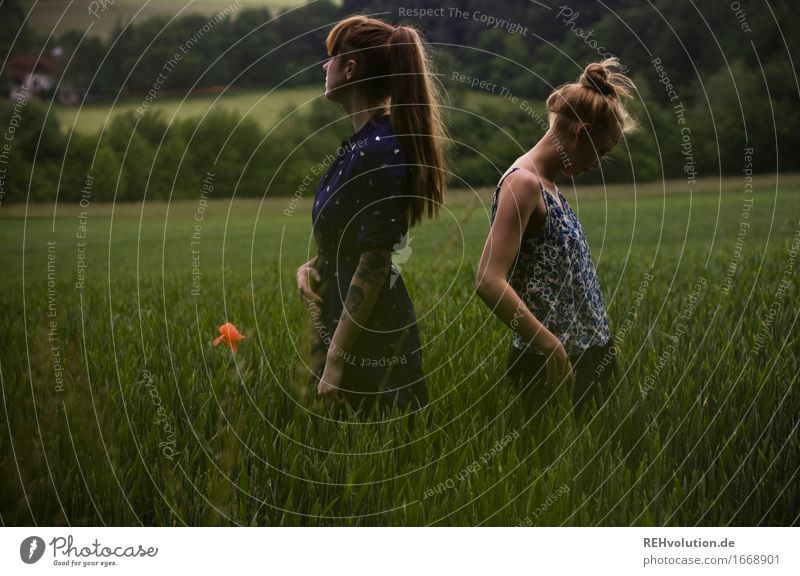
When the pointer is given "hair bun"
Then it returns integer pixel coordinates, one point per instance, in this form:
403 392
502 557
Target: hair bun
596 98
596 77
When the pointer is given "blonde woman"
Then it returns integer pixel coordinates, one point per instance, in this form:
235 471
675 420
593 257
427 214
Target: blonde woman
536 272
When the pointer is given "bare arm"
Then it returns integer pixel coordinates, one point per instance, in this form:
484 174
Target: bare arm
370 274
516 206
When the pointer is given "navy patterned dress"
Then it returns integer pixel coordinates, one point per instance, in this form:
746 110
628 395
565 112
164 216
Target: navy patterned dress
361 204
554 275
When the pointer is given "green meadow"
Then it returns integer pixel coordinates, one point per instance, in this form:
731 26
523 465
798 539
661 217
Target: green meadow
265 106
119 410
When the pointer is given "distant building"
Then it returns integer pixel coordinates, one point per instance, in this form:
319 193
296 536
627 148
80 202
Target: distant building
30 73
36 75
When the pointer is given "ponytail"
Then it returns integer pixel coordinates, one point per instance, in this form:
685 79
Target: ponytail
417 121
394 66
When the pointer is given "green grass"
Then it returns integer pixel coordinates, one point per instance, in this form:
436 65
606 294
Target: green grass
713 441
263 106
63 15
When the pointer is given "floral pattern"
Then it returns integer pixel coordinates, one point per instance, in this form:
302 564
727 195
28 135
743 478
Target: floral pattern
554 275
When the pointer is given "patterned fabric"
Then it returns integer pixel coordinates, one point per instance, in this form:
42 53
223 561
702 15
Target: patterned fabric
554 275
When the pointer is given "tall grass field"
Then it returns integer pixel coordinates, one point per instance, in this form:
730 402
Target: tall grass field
117 409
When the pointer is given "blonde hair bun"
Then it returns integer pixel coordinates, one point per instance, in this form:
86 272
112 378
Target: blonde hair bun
604 77
595 98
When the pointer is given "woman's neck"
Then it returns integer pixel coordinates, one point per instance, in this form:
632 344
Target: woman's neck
545 158
359 112
359 119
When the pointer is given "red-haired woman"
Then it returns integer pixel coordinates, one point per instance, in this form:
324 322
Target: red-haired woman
385 178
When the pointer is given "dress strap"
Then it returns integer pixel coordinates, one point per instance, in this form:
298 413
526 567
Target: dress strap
499 184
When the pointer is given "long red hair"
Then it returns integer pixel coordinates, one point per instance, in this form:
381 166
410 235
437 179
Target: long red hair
394 66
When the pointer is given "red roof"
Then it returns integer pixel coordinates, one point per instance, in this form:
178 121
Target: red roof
20 65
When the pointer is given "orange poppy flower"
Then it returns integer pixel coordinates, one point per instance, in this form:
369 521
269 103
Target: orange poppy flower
230 335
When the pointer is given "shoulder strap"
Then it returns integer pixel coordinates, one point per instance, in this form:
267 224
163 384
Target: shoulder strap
499 184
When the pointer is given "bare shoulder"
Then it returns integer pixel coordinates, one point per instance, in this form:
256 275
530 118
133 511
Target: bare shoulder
520 189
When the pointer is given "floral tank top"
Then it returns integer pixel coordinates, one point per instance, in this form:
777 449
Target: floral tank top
554 275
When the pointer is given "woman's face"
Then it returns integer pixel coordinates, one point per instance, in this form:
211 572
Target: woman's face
337 73
585 150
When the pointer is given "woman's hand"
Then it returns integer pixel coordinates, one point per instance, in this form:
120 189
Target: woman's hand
328 387
558 366
307 280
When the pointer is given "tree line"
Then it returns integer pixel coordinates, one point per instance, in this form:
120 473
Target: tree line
713 82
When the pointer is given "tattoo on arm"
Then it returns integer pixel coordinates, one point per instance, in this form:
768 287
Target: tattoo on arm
355 298
373 267
371 271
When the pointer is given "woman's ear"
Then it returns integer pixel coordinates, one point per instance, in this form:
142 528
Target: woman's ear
350 69
580 129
